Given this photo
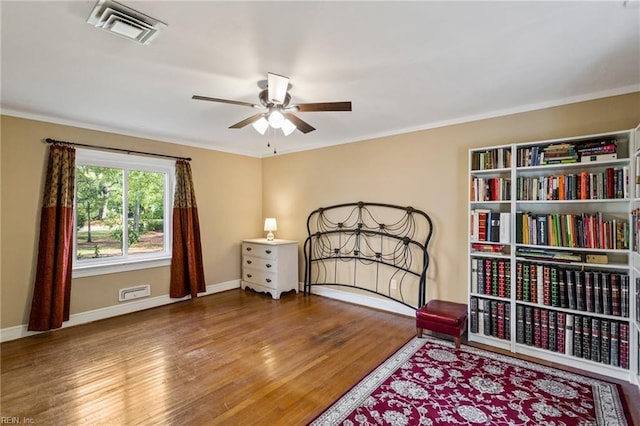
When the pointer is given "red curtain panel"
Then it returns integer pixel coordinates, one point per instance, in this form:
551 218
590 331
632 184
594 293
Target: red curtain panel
52 288
187 272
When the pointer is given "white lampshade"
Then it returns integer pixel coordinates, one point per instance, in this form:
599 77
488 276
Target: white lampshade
270 225
276 119
261 125
288 127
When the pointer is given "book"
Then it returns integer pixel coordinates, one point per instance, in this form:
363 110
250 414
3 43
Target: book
481 316
606 293
507 321
504 234
605 351
507 278
588 290
540 290
501 323
494 318
624 345
494 277
487 276
526 282
533 283
502 283
598 157
493 230
580 305
480 277
546 285
571 289
555 287
473 314
520 336
614 344
615 296
624 296
553 334
474 276
595 339
577 336
537 328
597 293
528 325
487 318
562 288
544 329
586 337
568 335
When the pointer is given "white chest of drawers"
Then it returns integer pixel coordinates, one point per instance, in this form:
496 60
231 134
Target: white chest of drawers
270 266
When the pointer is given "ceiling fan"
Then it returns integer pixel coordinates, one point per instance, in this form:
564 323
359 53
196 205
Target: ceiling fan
275 100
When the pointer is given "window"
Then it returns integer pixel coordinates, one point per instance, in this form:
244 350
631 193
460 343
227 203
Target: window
122 212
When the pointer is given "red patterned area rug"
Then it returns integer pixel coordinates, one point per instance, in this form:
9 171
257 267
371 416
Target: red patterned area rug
429 382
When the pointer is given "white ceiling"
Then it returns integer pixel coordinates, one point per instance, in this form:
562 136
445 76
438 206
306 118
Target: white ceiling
404 65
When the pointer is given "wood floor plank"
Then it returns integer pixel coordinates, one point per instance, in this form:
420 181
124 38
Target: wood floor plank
231 358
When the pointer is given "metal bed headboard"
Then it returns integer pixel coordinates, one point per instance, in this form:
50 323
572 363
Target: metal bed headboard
373 247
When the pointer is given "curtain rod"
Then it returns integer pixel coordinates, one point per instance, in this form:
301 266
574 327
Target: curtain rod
128 151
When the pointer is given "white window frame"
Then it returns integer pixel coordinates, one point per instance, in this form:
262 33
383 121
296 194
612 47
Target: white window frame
126 162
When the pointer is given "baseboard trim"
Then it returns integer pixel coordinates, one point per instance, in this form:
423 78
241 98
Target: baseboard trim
18 331
364 300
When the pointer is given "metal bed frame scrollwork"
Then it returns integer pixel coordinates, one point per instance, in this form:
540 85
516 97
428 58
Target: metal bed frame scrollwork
373 247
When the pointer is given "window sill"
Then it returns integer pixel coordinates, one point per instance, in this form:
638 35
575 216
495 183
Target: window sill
103 269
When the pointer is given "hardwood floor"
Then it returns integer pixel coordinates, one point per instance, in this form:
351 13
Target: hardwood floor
233 358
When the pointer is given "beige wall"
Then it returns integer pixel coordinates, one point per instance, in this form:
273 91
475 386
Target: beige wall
228 190
426 170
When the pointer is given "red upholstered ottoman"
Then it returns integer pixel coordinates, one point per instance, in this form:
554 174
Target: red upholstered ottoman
442 317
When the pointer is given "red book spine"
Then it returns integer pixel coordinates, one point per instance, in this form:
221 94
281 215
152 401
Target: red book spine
537 338
560 330
482 226
624 345
584 177
544 330
546 285
501 279
611 189
487 276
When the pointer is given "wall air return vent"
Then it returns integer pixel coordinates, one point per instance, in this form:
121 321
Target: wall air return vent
125 22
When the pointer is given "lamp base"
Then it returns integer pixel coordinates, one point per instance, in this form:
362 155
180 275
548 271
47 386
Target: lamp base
270 236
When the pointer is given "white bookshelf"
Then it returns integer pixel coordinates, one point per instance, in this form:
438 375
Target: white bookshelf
565 216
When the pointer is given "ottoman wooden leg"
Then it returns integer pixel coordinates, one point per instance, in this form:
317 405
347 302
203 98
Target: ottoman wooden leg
419 332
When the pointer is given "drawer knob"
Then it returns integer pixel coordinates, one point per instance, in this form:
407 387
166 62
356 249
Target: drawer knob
268 265
248 248
249 275
249 262
268 280
268 251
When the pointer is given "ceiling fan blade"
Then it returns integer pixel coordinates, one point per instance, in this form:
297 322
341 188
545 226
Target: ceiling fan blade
303 126
246 121
323 106
277 85
224 101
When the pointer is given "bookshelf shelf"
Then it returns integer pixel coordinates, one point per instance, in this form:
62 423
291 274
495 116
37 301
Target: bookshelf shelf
594 201
554 250
571 166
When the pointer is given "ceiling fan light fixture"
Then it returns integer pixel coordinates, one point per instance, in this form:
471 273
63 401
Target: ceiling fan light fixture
276 119
288 127
261 125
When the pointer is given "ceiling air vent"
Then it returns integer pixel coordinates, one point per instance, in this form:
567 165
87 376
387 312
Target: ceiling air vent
125 22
